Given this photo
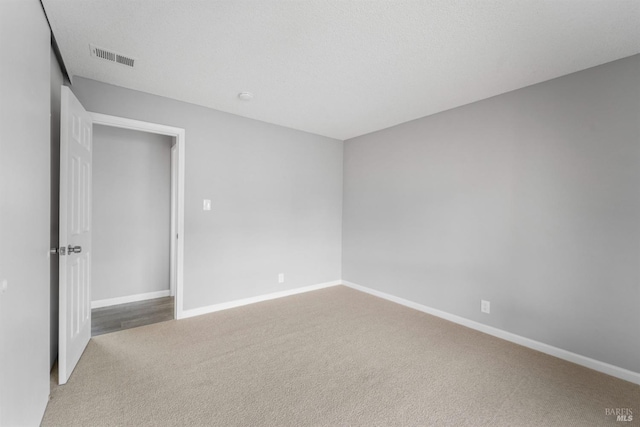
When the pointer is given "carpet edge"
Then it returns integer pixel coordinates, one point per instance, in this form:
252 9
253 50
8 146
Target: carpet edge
252 300
587 362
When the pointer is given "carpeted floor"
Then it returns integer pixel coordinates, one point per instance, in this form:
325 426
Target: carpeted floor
334 357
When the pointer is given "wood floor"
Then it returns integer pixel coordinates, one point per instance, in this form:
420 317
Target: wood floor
131 315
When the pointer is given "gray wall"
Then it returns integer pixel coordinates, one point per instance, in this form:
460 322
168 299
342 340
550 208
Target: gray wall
529 199
131 212
57 80
276 197
24 212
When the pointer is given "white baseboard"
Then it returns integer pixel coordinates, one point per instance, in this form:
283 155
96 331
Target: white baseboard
578 359
130 298
246 301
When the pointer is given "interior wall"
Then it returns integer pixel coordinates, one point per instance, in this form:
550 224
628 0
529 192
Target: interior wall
529 200
24 212
276 197
131 212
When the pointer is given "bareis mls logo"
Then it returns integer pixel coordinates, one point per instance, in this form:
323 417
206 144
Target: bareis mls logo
621 414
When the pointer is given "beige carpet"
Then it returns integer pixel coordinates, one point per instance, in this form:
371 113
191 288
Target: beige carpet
334 357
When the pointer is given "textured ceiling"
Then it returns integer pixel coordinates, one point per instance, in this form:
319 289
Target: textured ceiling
341 68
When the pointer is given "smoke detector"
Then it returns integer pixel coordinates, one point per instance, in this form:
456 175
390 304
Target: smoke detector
245 96
111 56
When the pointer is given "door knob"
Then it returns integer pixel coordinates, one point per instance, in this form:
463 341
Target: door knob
74 249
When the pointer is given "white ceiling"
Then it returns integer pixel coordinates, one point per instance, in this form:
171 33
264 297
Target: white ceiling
341 68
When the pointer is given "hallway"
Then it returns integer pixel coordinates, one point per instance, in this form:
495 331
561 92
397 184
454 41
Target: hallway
131 315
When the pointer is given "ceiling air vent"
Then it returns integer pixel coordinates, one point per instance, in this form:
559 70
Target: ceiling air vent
107 55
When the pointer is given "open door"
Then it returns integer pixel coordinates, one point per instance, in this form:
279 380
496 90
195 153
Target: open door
75 233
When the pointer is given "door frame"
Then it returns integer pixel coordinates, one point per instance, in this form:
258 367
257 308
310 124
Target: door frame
177 171
174 217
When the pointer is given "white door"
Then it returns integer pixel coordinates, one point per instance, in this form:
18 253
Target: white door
75 233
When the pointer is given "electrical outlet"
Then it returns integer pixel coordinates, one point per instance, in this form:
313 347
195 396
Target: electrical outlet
485 306
281 278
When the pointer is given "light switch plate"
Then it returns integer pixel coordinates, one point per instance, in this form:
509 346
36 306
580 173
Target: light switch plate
206 205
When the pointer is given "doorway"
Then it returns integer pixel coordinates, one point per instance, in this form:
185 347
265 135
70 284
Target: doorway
155 305
132 257
76 228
